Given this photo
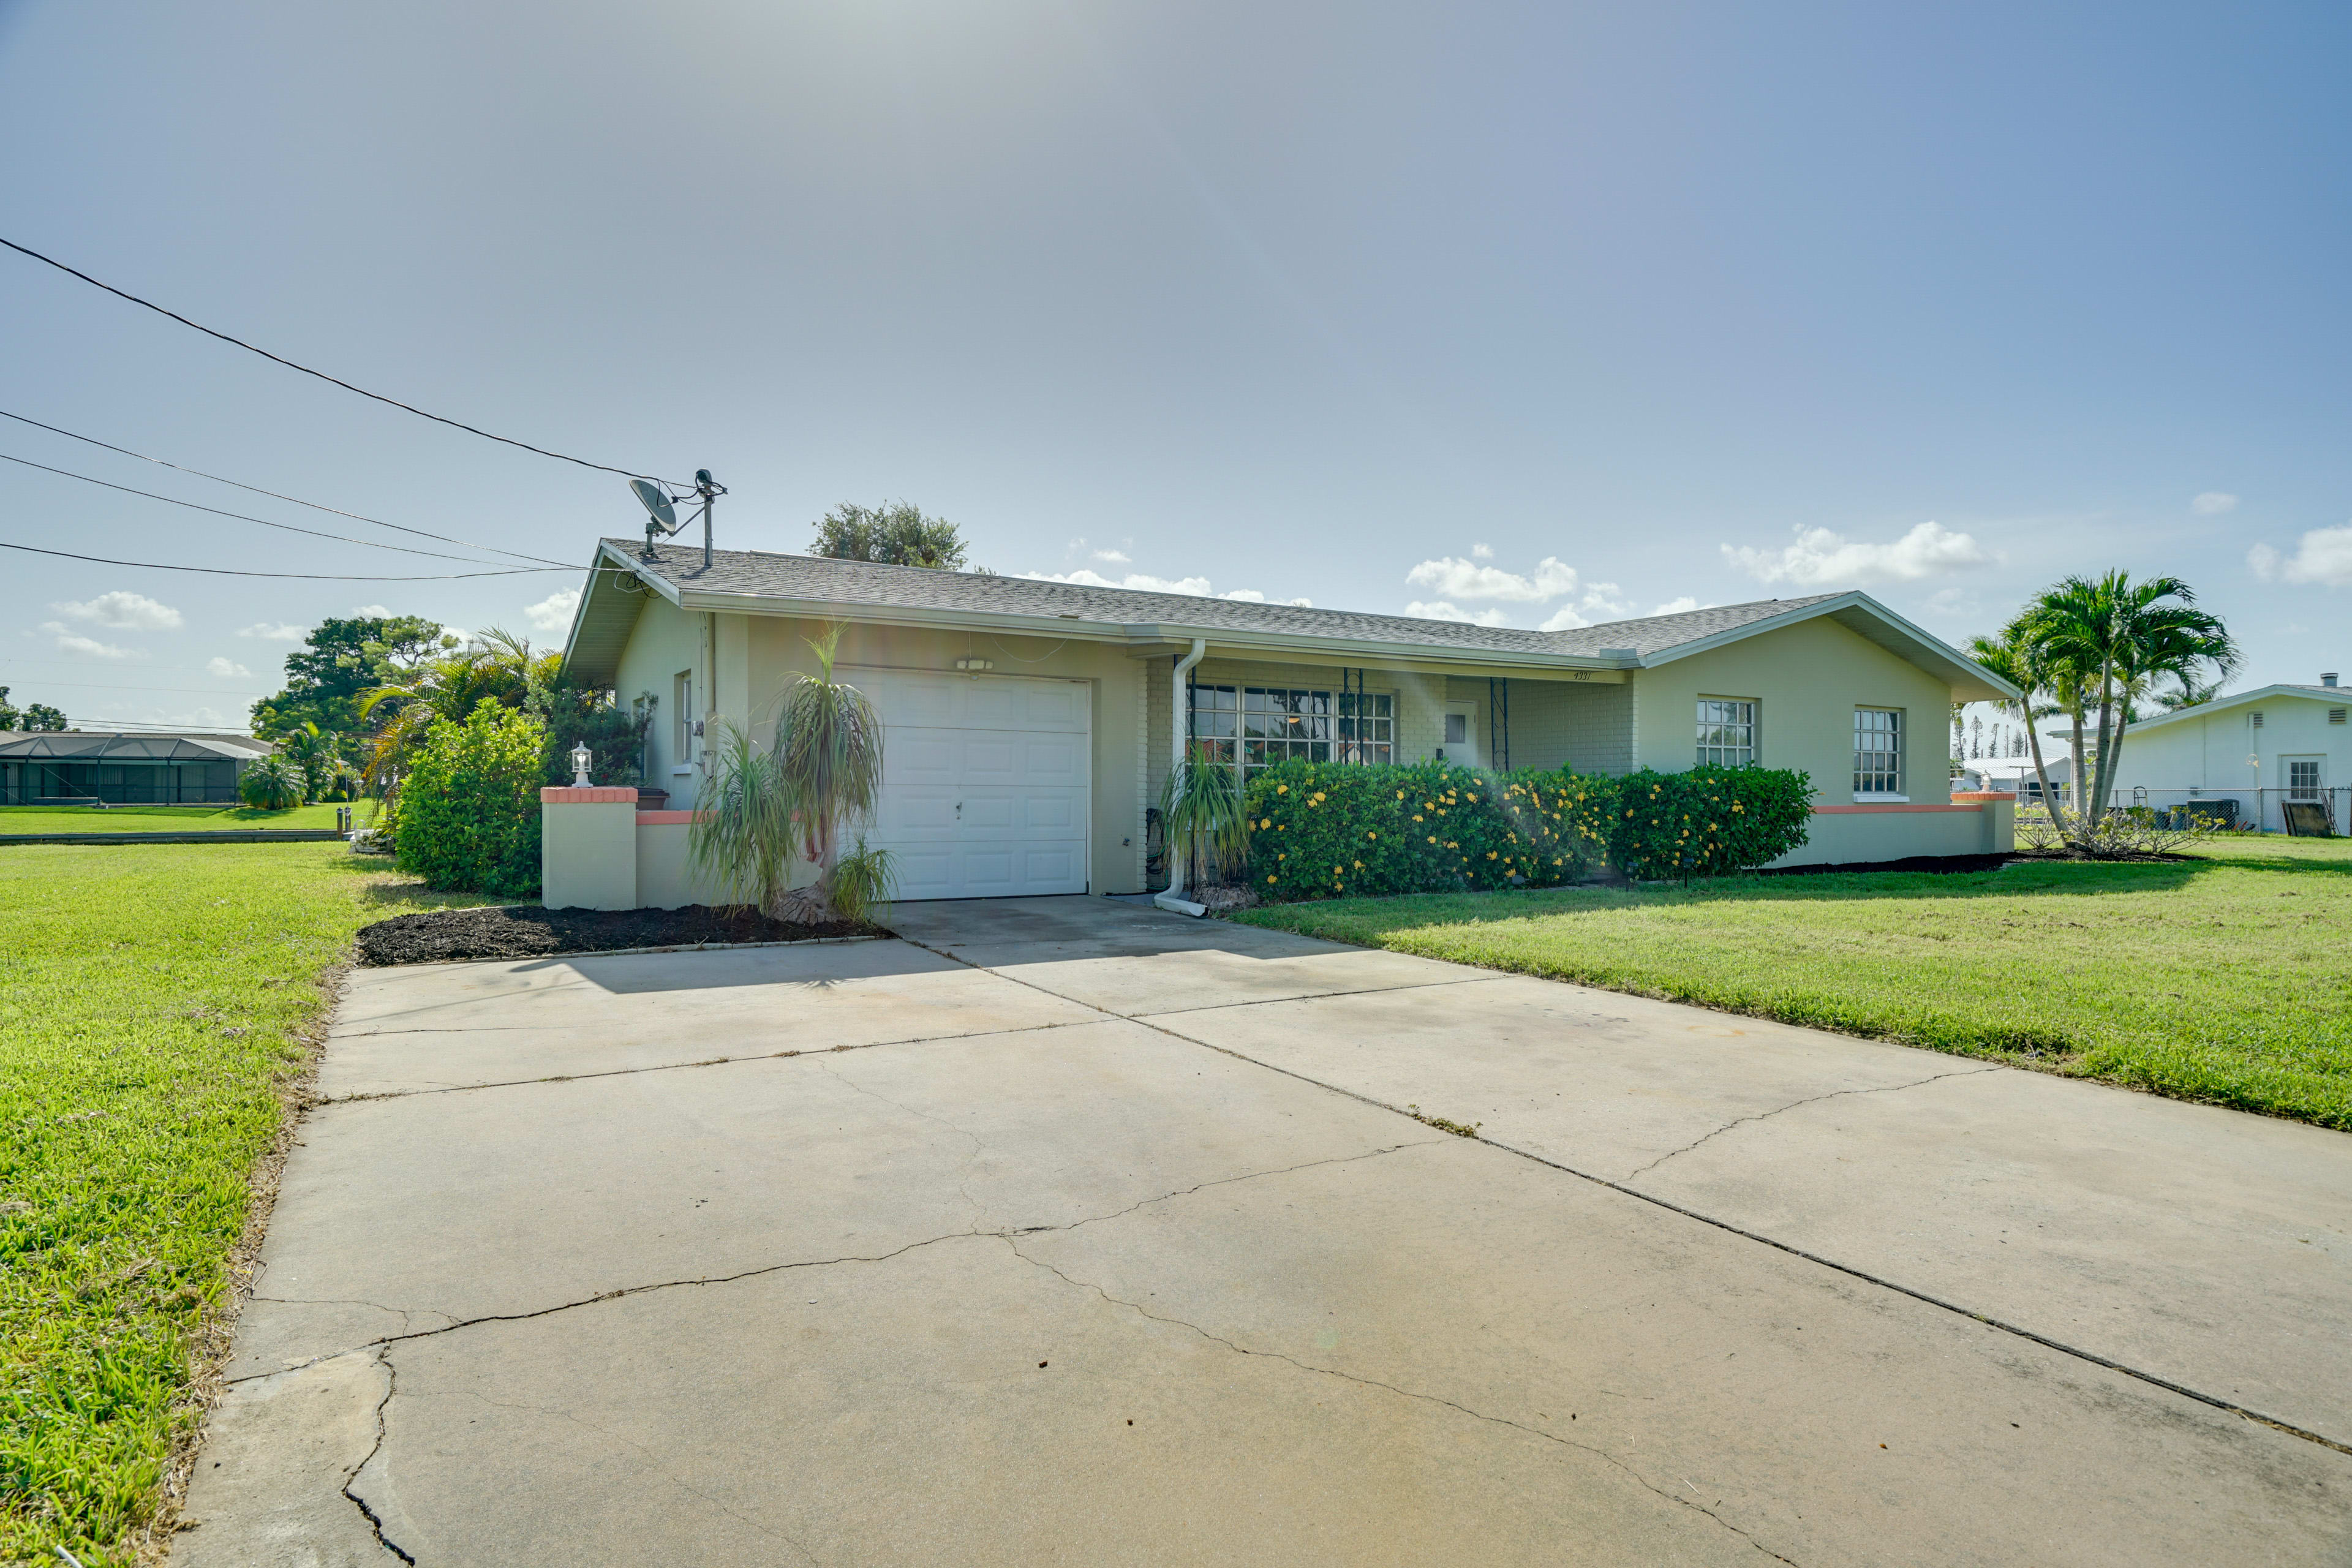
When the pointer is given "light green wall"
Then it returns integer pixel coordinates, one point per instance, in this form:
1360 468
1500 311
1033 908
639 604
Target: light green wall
1807 681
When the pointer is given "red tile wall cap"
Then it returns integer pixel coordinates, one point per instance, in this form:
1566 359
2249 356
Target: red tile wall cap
1983 795
593 794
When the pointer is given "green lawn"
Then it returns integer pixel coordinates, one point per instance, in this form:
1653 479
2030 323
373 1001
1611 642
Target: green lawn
154 1002
2227 979
165 818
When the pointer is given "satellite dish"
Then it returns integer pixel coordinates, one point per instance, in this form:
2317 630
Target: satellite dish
656 502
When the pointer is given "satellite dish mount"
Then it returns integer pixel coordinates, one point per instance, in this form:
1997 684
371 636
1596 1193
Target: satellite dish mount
662 521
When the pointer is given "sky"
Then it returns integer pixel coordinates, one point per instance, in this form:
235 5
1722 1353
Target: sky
1536 315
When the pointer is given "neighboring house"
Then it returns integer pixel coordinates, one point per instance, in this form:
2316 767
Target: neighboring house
2260 748
1029 724
76 766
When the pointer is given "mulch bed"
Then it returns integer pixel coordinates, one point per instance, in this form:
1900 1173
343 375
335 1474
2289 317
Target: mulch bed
525 930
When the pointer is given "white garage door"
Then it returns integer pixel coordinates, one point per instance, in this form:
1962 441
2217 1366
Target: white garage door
984 782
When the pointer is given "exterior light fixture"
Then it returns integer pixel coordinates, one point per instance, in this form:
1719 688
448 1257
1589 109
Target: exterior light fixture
973 666
581 758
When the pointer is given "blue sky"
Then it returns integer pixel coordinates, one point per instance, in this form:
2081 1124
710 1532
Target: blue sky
1537 313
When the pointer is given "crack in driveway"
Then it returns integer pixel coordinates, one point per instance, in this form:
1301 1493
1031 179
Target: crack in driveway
1439 1399
1809 1100
375 1524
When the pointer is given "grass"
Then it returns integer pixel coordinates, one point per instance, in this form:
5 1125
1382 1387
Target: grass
2227 978
155 1006
165 818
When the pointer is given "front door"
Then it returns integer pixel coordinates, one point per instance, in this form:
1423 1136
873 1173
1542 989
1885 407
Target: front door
1461 734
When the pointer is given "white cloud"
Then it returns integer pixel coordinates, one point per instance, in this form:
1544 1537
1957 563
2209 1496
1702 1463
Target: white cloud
553 613
2324 555
225 667
1459 579
2213 503
1482 552
1681 606
1442 611
1247 595
1821 557
1303 603
372 612
73 642
1141 582
1116 557
285 631
122 611
1564 620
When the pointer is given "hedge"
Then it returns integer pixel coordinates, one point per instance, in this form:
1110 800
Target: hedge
468 814
1323 829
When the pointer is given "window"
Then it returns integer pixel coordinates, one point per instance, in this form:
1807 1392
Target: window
1726 733
2303 778
683 690
1877 751
1457 729
1259 726
1367 727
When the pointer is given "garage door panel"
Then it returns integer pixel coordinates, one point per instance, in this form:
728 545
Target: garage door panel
1010 753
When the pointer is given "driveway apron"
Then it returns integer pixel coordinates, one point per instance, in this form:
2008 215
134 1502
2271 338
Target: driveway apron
1067 1230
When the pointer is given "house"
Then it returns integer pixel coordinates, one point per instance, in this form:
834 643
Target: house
2261 748
1029 724
75 767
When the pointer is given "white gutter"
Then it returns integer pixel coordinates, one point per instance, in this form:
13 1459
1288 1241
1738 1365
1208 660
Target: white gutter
1174 898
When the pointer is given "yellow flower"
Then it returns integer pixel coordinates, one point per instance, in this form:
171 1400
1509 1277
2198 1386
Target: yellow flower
1269 878
1282 789
1490 854
1432 838
1265 821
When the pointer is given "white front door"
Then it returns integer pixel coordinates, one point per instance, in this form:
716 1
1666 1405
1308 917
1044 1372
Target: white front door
984 781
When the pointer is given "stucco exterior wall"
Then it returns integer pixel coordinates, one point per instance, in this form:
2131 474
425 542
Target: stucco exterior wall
2209 753
1807 681
666 640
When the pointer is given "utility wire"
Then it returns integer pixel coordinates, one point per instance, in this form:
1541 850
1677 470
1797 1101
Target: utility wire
256 489
241 517
306 576
323 375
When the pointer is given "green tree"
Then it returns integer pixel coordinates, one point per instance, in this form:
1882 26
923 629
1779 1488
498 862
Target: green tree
2105 644
34 716
450 683
468 817
272 782
2015 657
341 660
895 533
315 754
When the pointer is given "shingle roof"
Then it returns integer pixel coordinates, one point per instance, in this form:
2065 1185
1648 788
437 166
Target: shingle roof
807 577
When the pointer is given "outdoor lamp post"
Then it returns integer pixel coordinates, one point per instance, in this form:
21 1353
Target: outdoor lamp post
580 761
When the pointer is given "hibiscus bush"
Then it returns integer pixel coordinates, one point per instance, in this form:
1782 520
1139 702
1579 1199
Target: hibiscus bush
1322 830
468 810
1706 822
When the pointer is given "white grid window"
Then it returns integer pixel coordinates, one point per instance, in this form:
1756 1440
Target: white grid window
1726 733
1367 727
1259 726
2303 778
1877 751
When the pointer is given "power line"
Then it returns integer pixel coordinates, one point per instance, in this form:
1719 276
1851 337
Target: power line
99 686
305 576
323 375
256 489
241 517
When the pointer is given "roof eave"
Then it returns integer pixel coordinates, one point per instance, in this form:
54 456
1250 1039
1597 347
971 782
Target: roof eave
1974 683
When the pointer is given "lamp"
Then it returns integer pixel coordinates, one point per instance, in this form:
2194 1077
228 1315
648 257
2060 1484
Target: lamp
580 761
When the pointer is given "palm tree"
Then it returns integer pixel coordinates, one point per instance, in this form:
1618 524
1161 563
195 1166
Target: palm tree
496 666
2013 656
2110 641
2191 693
315 755
823 771
1201 805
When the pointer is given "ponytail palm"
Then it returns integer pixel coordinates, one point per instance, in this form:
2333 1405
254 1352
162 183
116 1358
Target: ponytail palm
1202 808
759 808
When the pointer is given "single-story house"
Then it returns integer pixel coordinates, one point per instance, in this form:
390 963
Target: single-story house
1029 724
74 767
2262 748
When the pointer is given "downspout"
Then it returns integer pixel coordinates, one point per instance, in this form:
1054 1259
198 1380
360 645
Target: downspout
1179 863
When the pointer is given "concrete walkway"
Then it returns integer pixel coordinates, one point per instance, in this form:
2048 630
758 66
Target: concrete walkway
1070 1231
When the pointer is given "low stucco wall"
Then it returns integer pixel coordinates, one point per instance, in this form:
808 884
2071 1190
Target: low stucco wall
666 878
1860 835
587 847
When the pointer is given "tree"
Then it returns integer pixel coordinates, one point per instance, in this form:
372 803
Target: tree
2189 693
341 660
450 684
895 533
1202 808
823 771
2013 656
468 812
273 783
34 716
2104 645
315 754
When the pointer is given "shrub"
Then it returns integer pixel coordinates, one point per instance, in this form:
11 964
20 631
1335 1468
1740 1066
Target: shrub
1321 829
271 782
1707 822
615 736
468 815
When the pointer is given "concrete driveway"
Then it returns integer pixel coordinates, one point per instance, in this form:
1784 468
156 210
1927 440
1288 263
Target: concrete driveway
1069 1231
